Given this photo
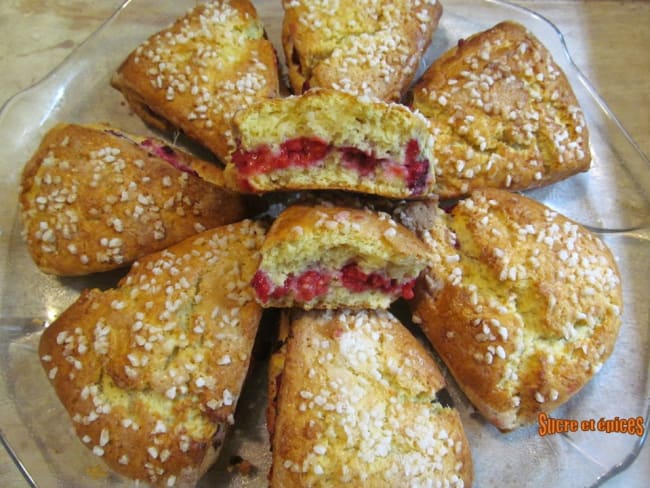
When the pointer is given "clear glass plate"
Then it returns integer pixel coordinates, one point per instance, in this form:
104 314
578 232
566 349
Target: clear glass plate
612 199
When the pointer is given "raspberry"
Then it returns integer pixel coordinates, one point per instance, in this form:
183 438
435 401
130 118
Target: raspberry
167 153
357 281
417 169
310 285
308 151
302 151
407 290
353 278
280 291
305 287
363 162
252 162
262 285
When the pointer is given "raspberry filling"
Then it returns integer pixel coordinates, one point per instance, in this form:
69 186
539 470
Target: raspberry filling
163 151
417 170
302 151
312 284
364 163
355 280
305 287
309 151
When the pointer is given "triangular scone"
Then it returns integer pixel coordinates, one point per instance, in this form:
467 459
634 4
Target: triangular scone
522 304
353 401
151 371
333 257
331 140
366 48
197 73
94 198
503 113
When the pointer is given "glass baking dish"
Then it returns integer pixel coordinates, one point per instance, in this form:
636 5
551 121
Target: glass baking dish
612 200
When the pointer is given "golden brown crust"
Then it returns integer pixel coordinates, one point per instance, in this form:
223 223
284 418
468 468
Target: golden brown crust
150 371
364 48
504 114
197 73
325 240
376 226
357 404
326 139
521 303
94 198
276 367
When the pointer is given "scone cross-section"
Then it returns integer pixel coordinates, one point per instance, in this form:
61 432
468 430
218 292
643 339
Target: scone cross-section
331 140
354 401
151 371
332 257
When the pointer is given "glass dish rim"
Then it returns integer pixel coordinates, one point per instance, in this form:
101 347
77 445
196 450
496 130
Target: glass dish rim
72 55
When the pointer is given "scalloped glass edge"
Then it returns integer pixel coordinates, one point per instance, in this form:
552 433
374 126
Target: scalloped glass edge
637 230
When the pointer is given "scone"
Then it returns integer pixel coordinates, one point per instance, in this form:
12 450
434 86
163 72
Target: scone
150 372
503 113
353 401
94 198
331 140
367 48
197 73
522 304
333 257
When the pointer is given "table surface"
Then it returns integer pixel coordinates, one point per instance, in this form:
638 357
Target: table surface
609 41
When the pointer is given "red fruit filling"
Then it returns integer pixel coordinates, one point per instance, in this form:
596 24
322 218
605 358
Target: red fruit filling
417 169
303 151
308 151
305 287
355 280
312 284
364 163
262 285
167 153
162 151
